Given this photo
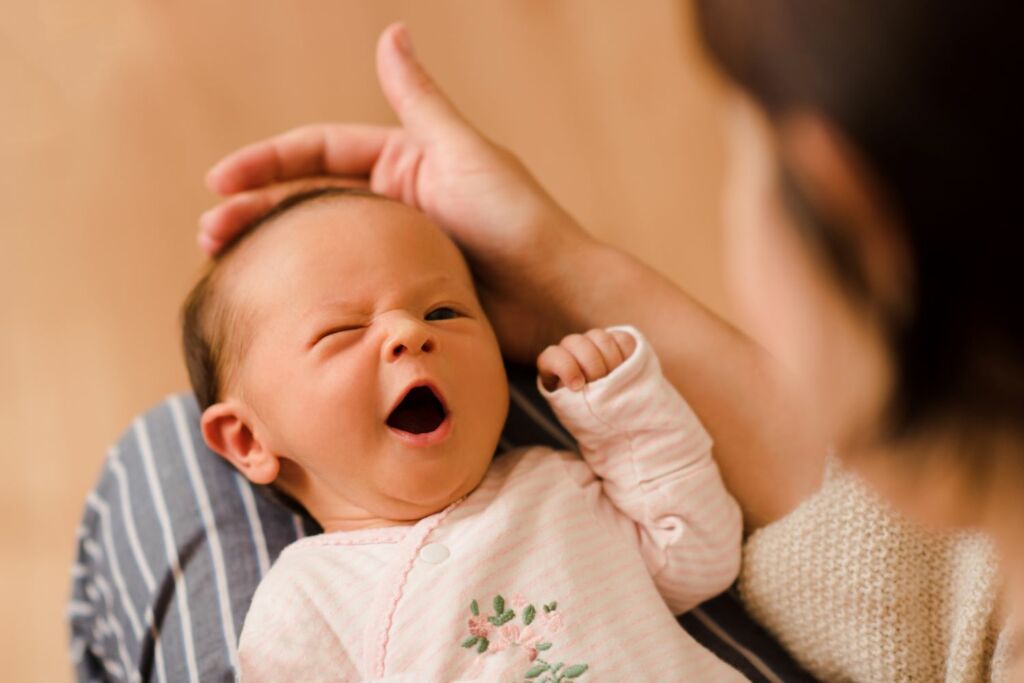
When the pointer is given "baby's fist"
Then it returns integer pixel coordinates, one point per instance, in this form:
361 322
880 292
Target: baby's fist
582 358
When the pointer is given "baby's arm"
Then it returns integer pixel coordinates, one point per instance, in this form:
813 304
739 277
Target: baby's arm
653 458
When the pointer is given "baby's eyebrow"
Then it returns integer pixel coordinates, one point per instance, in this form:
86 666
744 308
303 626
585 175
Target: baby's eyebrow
358 307
442 280
343 306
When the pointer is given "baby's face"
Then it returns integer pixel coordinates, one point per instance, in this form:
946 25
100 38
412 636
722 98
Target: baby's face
372 372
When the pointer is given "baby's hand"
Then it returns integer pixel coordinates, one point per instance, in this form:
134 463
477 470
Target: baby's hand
582 358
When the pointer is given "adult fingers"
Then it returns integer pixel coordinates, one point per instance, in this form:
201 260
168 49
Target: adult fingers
221 224
558 367
423 109
318 149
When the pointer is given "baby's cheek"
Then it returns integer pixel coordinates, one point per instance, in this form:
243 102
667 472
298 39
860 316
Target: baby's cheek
477 382
492 387
332 419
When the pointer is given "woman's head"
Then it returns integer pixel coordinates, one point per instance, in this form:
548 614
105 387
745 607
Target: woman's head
871 213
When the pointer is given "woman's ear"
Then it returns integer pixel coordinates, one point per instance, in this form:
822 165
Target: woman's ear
227 429
844 186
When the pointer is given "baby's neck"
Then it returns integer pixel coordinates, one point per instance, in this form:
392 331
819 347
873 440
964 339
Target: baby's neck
332 525
330 511
335 512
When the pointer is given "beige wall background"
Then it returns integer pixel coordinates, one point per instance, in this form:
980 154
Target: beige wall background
112 111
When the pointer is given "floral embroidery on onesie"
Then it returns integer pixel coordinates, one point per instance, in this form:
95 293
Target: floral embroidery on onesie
498 632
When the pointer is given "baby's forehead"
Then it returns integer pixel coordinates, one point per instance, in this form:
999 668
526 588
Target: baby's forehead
358 223
339 237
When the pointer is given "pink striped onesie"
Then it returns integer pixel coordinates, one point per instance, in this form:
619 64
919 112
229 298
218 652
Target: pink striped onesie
556 568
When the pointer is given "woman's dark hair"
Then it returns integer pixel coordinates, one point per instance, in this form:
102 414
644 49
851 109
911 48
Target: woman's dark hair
925 93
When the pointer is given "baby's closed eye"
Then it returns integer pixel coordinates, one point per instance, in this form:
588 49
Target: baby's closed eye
337 329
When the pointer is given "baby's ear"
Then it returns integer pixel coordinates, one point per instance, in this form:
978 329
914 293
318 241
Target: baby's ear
227 430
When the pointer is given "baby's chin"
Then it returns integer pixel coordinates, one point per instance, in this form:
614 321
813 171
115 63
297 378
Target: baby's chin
417 502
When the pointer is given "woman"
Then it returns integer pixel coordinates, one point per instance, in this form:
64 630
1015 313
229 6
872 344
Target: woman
868 225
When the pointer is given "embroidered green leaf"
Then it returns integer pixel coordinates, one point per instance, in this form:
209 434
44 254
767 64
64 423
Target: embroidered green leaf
543 646
484 644
554 605
499 604
474 608
528 614
471 641
502 619
575 671
547 608
537 670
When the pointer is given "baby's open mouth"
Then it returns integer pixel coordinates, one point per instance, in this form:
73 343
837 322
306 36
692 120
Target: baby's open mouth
420 412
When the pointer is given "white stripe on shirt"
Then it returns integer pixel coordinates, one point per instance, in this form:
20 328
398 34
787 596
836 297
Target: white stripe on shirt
259 541
116 632
227 620
180 585
140 558
129 521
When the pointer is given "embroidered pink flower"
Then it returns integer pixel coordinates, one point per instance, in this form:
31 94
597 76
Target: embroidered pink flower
511 635
479 626
505 638
552 622
521 643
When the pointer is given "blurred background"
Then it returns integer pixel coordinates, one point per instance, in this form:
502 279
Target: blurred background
115 109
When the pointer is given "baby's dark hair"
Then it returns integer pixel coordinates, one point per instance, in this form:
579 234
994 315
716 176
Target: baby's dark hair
213 332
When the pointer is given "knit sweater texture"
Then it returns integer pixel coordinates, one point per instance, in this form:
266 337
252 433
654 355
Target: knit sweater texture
857 593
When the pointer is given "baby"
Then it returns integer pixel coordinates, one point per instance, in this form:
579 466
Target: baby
340 353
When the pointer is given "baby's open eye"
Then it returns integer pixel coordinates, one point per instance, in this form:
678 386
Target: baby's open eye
442 313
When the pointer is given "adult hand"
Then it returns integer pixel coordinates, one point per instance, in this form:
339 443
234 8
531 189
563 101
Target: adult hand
511 231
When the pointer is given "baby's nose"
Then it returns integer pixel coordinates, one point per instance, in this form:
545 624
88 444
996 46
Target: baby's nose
409 337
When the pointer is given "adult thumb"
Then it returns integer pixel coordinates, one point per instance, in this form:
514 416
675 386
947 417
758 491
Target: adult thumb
424 110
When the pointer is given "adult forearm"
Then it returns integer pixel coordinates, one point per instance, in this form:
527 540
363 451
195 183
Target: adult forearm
770 456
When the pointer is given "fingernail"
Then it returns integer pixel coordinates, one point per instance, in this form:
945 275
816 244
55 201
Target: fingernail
212 179
206 221
205 243
404 42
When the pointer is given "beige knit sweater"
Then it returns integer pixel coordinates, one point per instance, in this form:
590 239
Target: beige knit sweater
856 593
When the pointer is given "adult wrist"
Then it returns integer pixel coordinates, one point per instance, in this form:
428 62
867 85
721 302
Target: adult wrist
573 275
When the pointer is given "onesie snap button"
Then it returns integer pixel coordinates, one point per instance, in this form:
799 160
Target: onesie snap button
434 553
